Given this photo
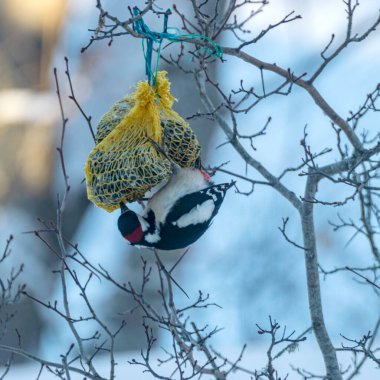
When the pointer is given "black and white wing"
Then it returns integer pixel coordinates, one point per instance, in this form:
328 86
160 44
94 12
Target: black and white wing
189 217
199 207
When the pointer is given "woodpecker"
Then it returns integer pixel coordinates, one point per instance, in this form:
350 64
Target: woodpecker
178 214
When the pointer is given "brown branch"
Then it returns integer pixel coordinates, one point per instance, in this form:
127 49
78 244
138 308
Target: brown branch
371 341
311 90
74 99
347 41
313 286
288 194
27 355
367 280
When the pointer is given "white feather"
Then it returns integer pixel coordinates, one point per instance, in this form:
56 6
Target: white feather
199 214
182 182
153 238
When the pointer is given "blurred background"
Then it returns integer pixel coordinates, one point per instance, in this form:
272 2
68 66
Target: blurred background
243 261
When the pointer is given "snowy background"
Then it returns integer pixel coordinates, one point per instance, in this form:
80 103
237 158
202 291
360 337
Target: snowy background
243 261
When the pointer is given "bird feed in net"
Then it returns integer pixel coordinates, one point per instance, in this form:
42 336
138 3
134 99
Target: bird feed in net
125 163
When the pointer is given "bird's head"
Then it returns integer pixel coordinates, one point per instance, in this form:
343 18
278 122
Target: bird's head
129 226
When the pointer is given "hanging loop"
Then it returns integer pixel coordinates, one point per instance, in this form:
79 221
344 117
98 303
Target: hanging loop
140 27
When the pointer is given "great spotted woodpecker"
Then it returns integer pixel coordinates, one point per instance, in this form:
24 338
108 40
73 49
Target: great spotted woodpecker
178 214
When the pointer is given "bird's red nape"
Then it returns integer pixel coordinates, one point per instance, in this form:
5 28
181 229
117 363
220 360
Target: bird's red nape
205 175
136 236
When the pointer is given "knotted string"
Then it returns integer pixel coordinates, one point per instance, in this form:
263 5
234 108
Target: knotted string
151 37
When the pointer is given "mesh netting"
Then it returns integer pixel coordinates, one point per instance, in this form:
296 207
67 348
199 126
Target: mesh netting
125 164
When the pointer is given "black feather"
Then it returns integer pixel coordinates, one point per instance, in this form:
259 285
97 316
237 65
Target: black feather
174 237
185 204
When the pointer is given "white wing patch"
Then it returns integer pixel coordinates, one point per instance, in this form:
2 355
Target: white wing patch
153 238
199 214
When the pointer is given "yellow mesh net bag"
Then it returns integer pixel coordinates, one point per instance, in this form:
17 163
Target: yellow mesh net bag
125 164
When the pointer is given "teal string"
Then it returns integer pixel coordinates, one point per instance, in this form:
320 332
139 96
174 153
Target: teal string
151 36
148 52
